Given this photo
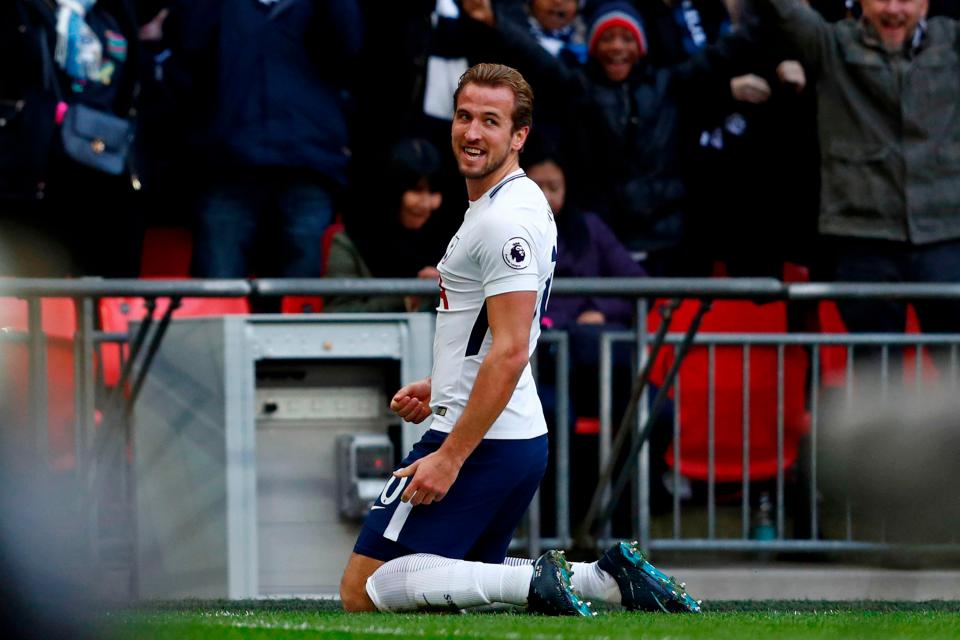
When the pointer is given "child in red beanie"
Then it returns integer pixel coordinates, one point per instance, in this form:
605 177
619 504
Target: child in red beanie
624 122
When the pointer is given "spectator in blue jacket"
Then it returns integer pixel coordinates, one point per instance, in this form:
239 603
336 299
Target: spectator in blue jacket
279 148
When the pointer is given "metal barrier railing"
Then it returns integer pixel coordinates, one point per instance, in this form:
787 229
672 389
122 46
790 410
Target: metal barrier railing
98 452
814 343
85 293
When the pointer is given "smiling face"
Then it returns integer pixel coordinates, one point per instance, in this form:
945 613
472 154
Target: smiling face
484 141
894 20
417 205
617 51
554 15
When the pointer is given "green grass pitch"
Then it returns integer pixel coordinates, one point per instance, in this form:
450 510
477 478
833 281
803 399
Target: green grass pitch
302 619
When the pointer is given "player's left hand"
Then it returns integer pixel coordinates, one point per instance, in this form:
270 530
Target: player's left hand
412 401
433 475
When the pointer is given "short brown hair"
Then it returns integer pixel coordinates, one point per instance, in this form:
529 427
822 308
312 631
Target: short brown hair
500 75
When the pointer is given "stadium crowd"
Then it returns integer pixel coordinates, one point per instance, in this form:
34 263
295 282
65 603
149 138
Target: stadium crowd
678 137
688 128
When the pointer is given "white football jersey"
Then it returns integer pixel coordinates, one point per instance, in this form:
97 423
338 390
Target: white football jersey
507 242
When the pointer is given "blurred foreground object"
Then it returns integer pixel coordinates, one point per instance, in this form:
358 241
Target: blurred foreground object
44 586
894 453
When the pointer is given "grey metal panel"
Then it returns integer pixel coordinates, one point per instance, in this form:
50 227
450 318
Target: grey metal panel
376 339
241 463
180 466
407 337
304 545
229 506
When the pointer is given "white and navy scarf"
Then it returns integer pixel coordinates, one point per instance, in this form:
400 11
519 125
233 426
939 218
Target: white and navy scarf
569 41
687 17
446 61
79 52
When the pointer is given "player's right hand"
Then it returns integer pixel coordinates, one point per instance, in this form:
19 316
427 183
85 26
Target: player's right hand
433 475
412 401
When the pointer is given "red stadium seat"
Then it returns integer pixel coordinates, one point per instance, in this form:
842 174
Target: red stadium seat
117 313
301 304
735 317
332 230
166 253
793 272
313 304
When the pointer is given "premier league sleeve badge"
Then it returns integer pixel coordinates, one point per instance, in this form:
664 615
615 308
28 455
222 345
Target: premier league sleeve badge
516 253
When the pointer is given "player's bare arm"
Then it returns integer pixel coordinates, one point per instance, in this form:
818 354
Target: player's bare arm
510 315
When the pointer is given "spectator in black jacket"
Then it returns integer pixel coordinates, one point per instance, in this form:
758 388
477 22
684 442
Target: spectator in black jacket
427 48
742 153
59 216
561 30
677 29
390 230
279 144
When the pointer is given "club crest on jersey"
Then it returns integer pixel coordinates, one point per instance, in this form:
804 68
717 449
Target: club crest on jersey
516 253
450 247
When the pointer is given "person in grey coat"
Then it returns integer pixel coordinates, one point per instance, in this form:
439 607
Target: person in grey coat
888 94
